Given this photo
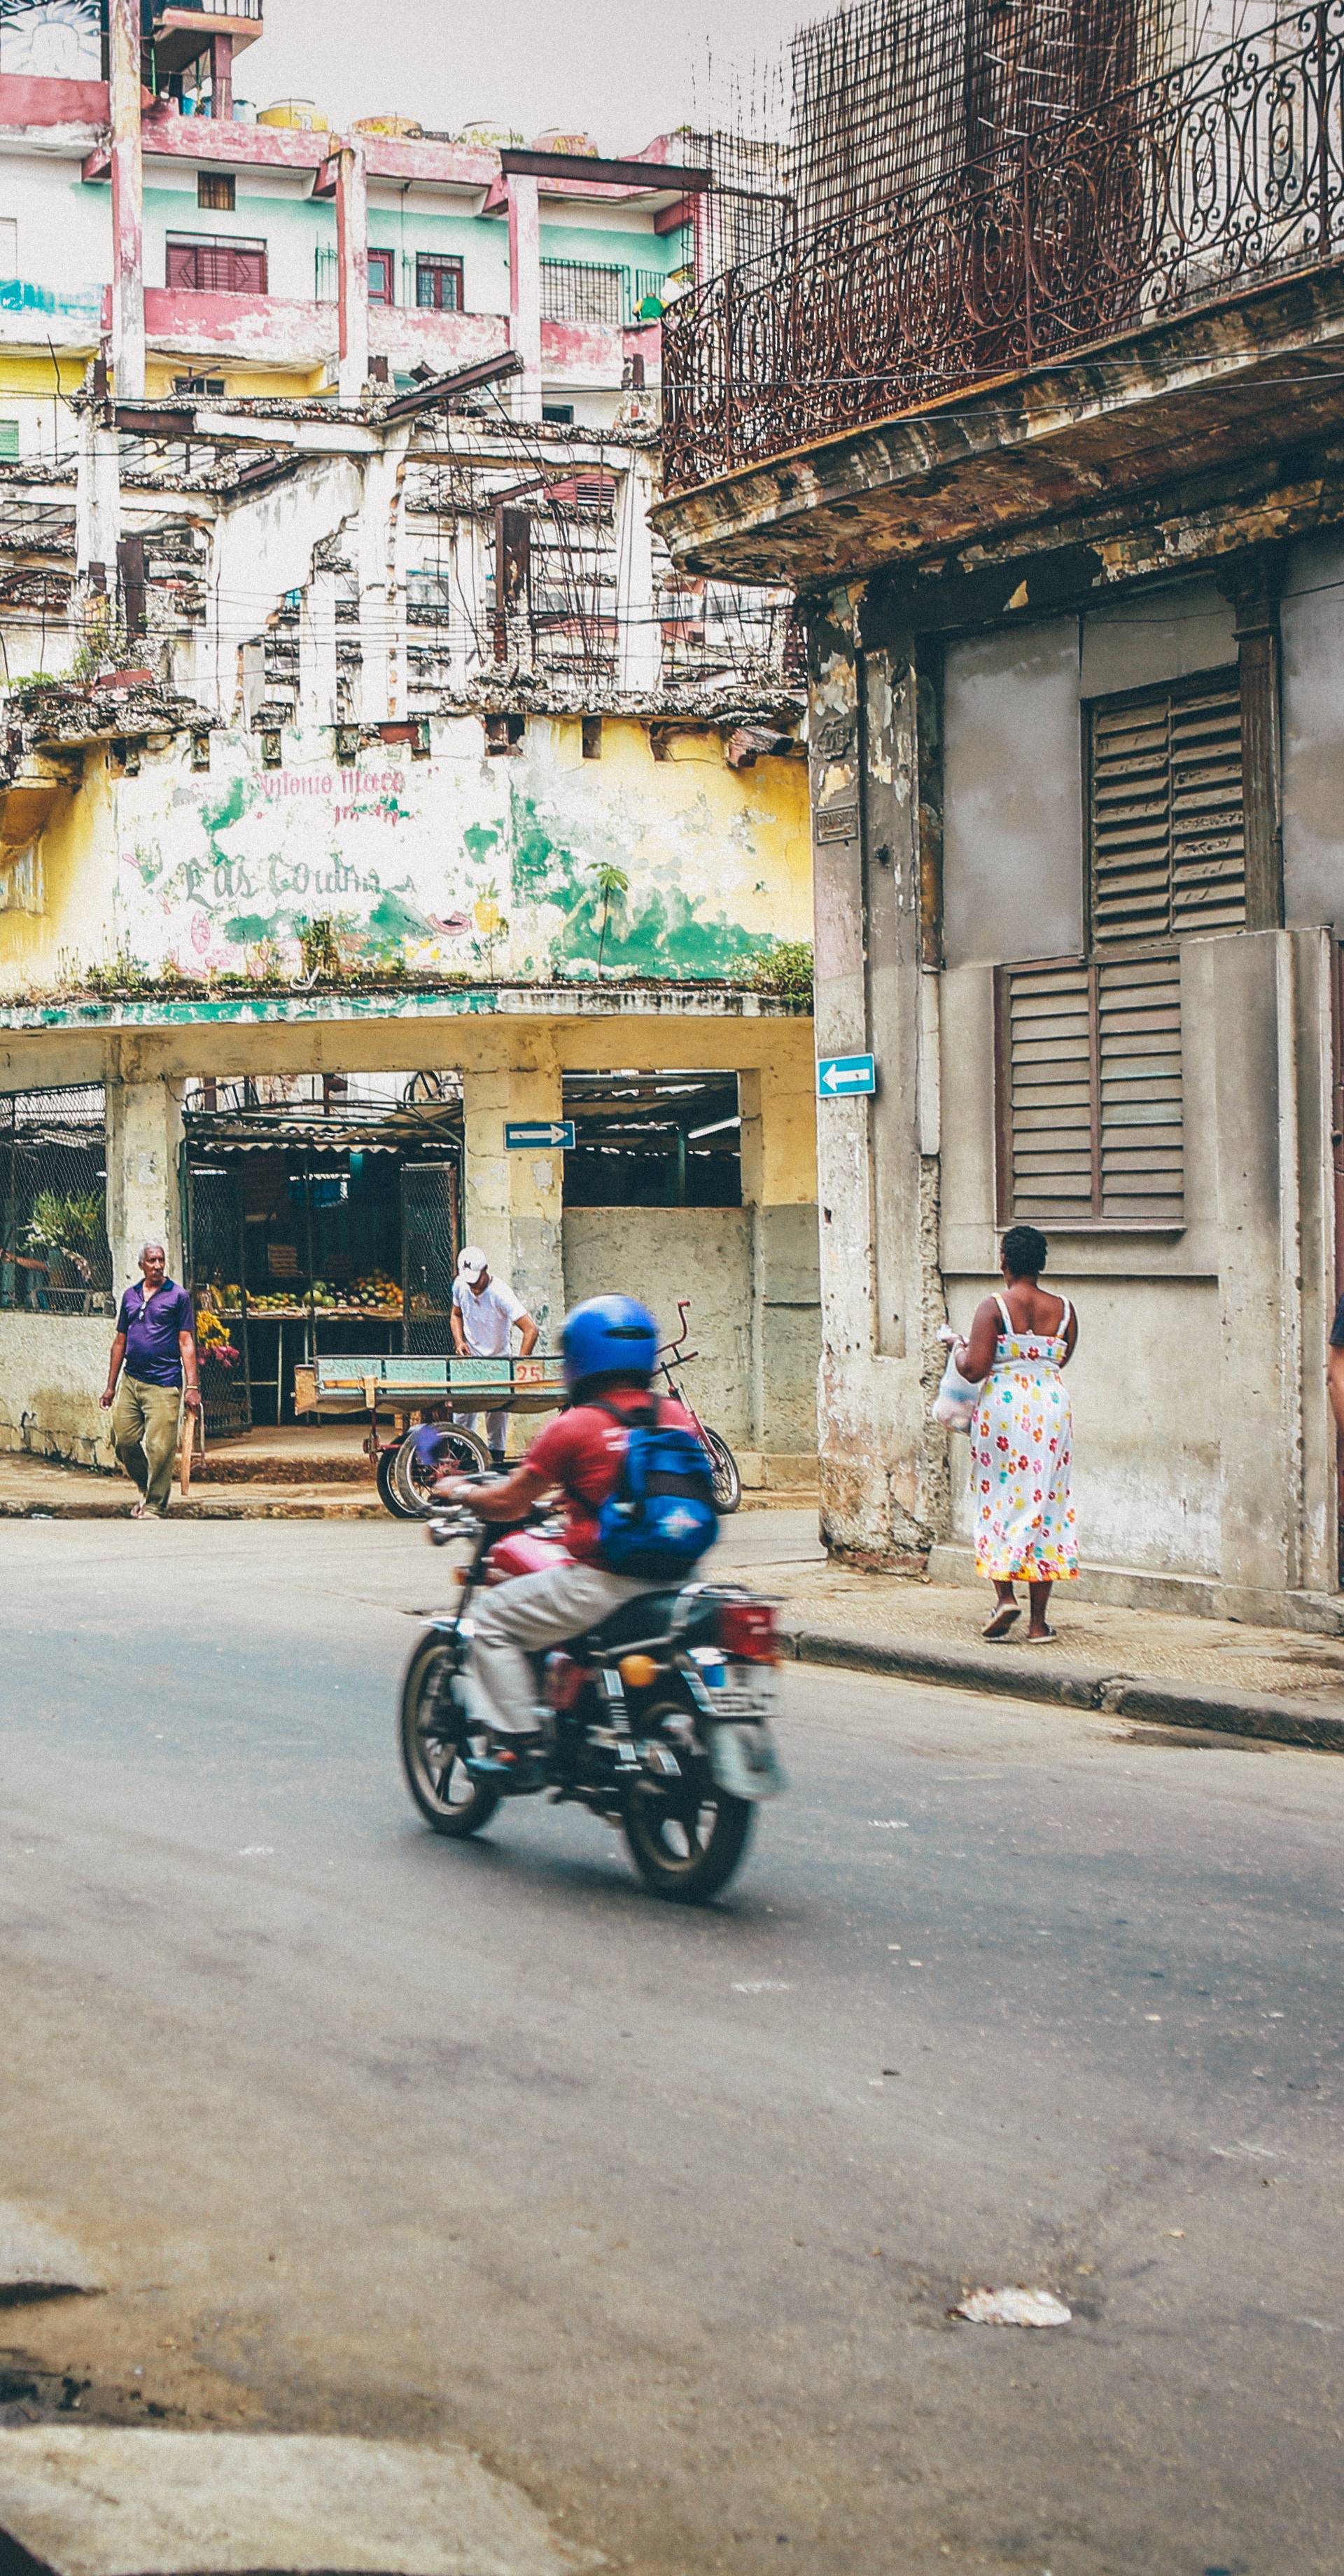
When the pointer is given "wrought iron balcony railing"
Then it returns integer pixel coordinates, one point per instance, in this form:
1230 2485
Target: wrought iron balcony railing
1178 191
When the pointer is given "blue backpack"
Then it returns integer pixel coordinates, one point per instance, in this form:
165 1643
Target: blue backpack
660 1518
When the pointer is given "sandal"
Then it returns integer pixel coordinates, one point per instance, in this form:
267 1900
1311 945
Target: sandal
1001 1623
1041 1637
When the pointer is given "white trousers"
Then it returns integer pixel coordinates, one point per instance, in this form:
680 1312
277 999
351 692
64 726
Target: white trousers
534 1610
496 1427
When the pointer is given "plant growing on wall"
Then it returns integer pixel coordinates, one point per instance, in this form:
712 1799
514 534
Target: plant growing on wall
610 884
320 944
785 968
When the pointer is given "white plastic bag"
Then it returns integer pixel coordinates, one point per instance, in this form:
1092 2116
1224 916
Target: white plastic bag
957 1396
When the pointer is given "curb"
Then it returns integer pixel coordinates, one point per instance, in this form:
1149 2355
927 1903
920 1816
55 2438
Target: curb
1085 1686
59 1508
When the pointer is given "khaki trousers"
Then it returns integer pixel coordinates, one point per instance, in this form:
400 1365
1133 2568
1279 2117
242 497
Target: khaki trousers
534 1610
144 1430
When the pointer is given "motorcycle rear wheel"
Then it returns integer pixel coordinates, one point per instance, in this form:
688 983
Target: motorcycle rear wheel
431 1756
686 1847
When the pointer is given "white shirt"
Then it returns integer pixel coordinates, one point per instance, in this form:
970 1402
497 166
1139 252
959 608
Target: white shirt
488 1319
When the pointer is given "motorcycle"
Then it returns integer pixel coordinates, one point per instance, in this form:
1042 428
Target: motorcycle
657 1720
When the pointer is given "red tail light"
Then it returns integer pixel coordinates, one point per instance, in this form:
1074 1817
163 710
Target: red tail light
747 1632
564 1681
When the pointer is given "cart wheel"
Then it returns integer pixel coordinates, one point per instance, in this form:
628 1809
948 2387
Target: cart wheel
386 1492
410 1482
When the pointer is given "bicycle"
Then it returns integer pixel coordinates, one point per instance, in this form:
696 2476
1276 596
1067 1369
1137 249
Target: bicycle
727 1475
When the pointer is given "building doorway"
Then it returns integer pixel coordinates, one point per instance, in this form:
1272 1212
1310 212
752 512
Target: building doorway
319 1225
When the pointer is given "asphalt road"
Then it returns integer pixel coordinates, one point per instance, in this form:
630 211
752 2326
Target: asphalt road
662 2213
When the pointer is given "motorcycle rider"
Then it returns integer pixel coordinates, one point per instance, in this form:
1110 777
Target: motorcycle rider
609 1345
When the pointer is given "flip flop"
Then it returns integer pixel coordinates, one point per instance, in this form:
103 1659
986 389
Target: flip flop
1041 1637
1000 1624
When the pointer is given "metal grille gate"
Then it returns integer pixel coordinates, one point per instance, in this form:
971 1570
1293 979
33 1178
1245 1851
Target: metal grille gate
428 1253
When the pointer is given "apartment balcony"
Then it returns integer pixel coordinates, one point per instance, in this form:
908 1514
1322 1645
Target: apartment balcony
182 31
1170 199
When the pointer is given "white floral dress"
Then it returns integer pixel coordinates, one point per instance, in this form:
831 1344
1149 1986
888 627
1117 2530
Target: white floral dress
1022 1460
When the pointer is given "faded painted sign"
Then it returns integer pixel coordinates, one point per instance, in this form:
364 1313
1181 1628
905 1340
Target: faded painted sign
460 862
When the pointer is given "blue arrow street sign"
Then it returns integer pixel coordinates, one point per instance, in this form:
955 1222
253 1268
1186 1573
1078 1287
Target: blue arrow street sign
544 1131
838 1074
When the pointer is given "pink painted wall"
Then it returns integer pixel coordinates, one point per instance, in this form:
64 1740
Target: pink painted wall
28 100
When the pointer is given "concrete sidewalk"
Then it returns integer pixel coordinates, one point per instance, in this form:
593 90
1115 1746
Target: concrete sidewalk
1274 1683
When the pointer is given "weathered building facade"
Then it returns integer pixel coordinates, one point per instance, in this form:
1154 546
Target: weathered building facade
375 797
1072 559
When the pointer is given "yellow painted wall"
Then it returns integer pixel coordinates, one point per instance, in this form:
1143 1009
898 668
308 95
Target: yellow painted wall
463 863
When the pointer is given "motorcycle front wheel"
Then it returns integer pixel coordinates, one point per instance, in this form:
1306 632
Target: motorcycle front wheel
431 1738
686 1837
727 1479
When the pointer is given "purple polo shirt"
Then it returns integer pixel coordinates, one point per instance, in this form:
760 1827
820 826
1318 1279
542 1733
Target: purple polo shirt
151 1326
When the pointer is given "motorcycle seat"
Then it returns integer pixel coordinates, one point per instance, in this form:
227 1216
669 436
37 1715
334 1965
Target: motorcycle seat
637 1623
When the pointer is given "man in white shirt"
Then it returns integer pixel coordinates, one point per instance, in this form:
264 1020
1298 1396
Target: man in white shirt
485 1313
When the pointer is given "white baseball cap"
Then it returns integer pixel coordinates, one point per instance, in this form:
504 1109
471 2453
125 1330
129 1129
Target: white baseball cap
471 1262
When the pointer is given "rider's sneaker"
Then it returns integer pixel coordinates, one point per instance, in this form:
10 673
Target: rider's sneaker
512 1763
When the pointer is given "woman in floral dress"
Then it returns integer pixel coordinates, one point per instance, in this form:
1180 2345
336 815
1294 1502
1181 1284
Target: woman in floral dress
1022 1437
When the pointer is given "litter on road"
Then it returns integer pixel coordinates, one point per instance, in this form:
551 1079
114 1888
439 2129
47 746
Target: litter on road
1013 2308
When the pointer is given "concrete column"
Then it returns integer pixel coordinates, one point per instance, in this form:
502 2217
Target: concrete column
97 510
352 265
128 270
221 78
317 650
779 1188
144 1135
525 292
639 635
883 1468
373 549
514 1200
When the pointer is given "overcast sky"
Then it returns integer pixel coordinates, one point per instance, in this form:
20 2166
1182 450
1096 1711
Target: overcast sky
621 70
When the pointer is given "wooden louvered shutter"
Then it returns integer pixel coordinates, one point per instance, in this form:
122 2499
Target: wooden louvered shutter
1141 1142
1091 1119
1166 843
1047 1075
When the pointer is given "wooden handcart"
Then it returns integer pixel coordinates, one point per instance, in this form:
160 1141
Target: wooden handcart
407 1389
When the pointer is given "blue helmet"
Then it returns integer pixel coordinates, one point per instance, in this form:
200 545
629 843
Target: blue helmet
608 1337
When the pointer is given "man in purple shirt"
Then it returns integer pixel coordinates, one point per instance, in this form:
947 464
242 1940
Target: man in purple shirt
156 1340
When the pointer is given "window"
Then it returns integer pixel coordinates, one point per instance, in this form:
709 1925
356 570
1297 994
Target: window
202 267
9 442
216 191
382 277
1166 853
1090 1097
199 385
438 282
574 290
561 413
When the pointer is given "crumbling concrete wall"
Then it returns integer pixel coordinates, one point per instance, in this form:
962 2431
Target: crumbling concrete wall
705 1254
53 1368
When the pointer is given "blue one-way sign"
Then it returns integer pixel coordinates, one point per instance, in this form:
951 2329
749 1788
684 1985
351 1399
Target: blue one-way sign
838 1074
543 1132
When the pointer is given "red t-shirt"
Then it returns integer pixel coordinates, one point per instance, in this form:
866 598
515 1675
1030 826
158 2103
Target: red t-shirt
582 1450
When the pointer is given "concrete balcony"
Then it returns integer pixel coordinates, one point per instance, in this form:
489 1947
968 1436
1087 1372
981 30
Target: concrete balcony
272 331
44 317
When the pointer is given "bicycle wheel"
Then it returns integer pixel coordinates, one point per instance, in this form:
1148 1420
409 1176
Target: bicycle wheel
462 1453
727 1478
